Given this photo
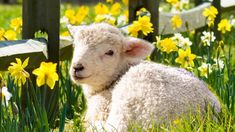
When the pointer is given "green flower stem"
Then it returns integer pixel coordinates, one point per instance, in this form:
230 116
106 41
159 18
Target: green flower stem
44 95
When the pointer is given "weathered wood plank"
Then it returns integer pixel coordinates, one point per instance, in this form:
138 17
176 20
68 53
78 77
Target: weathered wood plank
35 49
192 17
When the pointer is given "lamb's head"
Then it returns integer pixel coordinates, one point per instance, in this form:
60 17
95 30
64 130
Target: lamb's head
101 52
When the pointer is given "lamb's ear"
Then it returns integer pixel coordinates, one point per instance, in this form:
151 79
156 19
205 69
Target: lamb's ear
73 29
137 48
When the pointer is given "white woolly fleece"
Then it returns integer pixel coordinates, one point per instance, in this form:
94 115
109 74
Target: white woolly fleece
122 88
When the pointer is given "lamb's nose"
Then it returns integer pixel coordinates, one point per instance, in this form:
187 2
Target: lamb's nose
78 68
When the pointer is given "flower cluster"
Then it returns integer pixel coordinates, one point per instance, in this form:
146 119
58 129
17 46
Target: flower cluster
123 1
210 13
206 68
142 24
178 5
113 14
13 32
76 18
182 45
46 73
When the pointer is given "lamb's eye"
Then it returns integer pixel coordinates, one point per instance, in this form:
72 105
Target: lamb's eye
110 53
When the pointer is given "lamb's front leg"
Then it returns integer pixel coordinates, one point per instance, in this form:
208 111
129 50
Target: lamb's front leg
116 121
97 111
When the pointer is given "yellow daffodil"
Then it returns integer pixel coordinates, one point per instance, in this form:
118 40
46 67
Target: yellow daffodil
126 13
16 24
101 9
172 2
210 13
105 18
10 35
1 81
148 58
73 20
46 74
76 18
205 69
141 11
2 32
83 11
100 18
177 121
176 22
126 2
134 29
224 26
168 45
69 13
115 9
79 20
145 25
18 72
109 1
66 33
185 58
81 14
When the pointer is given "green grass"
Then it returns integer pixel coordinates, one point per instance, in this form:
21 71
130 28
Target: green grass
72 103
9 12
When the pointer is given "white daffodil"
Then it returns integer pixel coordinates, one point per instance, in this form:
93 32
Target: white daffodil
185 1
182 42
64 20
207 38
178 39
205 69
122 20
219 64
183 4
6 94
186 43
233 22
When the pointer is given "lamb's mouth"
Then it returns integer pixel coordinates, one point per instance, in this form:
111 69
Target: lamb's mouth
77 78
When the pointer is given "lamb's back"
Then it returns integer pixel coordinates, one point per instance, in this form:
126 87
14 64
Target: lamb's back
154 89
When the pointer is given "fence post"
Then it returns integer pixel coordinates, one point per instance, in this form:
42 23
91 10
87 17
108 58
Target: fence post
152 7
198 2
217 5
44 15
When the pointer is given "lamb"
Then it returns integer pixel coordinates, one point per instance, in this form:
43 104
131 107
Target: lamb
120 87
